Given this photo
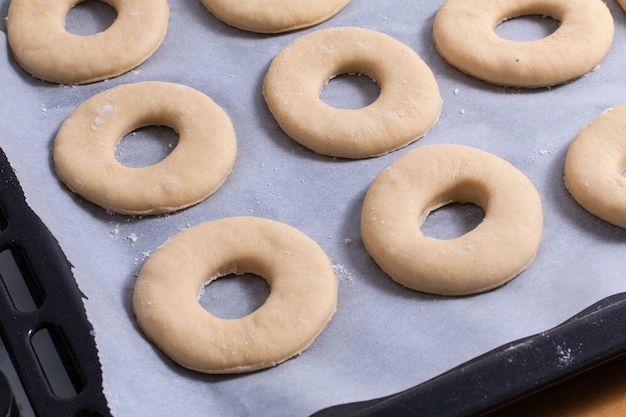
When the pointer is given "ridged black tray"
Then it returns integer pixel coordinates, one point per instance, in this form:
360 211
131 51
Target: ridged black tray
57 312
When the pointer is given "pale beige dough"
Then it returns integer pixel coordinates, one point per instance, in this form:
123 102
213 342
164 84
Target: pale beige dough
594 164
41 45
409 103
274 16
84 148
464 35
302 300
498 249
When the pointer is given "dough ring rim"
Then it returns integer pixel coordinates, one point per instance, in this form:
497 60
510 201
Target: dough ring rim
497 250
43 47
594 164
302 301
408 106
463 33
274 16
84 148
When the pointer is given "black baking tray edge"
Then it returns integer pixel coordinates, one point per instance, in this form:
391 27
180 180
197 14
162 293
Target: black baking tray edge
509 372
59 310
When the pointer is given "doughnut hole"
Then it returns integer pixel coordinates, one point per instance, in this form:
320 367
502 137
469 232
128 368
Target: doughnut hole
146 146
234 296
350 91
527 28
89 17
455 211
452 220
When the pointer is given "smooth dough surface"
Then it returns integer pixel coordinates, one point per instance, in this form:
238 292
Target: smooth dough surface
274 16
43 47
499 248
84 148
594 165
302 300
464 35
409 103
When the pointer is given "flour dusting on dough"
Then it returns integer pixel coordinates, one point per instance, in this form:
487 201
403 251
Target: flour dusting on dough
102 112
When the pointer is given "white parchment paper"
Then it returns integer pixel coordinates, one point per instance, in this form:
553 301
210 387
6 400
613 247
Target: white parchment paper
383 338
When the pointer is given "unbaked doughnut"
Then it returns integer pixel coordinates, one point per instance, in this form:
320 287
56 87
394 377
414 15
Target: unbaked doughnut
274 16
408 106
499 248
594 164
464 35
302 300
41 45
84 148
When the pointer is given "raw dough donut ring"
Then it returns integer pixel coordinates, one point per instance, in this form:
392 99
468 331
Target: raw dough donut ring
84 148
422 180
274 16
303 295
594 164
408 106
41 45
464 35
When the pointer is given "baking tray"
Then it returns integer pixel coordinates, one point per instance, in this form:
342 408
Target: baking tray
384 339
43 324
513 371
